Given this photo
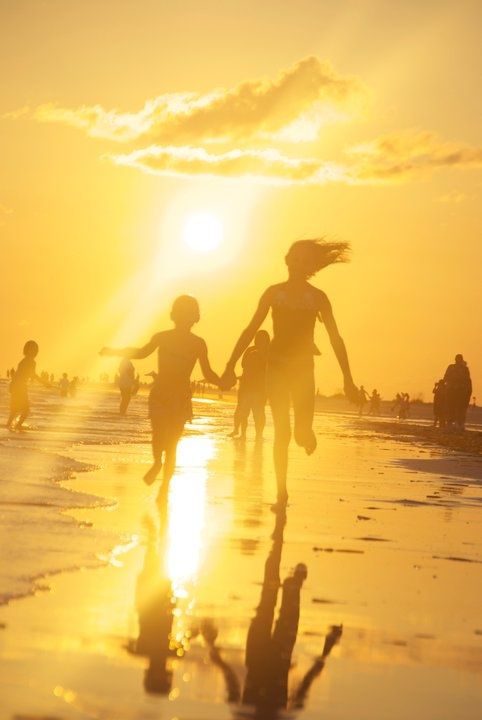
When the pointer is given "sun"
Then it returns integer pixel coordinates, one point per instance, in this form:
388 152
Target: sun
203 232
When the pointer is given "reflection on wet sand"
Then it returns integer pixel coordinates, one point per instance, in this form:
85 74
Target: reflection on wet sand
154 605
171 561
269 650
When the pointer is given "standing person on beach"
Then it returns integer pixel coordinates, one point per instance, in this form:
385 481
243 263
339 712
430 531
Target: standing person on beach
252 387
126 382
439 404
170 408
295 306
363 398
459 389
26 371
375 399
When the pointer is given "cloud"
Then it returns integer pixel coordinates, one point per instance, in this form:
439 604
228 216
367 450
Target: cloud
238 132
267 165
403 155
386 160
308 94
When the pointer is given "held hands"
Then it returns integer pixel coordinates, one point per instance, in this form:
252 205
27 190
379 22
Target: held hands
105 352
228 379
352 393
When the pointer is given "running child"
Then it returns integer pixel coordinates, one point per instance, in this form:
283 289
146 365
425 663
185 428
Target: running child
170 408
26 371
295 307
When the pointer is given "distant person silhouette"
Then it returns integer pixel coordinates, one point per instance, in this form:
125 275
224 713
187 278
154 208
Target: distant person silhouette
252 387
170 408
73 387
64 385
439 404
375 398
19 401
269 648
402 405
363 398
459 389
295 306
126 382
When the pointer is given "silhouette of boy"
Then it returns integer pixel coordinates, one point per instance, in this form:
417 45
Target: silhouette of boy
178 350
26 371
295 307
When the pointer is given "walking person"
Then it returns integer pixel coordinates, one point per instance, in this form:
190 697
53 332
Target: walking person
252 388
20 378
459 390
126 379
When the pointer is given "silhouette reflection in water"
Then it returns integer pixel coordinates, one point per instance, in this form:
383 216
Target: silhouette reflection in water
155 604
268 650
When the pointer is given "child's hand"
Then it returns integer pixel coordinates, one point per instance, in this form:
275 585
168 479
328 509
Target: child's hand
105 351
228 379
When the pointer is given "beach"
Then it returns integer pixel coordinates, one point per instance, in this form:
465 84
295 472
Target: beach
386 522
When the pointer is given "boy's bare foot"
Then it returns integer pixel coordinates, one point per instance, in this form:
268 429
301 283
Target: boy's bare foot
153 472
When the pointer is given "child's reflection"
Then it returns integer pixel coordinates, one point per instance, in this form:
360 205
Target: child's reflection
155 604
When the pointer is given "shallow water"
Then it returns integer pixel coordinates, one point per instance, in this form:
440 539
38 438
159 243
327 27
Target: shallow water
390 534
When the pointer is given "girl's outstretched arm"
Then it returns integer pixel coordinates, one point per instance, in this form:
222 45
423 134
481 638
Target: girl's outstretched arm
229 377
351 391
132 353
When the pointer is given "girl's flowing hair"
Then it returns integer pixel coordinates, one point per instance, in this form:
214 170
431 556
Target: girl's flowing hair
313 255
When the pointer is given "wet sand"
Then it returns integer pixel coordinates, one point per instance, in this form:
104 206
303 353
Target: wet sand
390 534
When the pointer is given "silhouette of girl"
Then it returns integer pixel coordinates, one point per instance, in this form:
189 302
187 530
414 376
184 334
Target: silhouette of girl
295 307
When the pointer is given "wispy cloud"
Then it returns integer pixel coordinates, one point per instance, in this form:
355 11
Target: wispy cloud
310 92
268 165
239 132
400 156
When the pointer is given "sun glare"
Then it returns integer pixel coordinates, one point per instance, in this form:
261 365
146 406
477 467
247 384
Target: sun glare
203 232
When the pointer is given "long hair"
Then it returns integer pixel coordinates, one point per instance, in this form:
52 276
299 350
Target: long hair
313 255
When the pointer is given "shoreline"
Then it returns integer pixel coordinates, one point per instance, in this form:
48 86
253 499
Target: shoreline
470 441
368 515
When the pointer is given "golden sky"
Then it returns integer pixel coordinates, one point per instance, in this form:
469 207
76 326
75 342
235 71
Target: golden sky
360 120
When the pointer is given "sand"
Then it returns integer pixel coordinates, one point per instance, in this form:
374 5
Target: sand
390 533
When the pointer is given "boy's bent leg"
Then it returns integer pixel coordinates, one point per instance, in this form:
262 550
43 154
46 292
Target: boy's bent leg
158 443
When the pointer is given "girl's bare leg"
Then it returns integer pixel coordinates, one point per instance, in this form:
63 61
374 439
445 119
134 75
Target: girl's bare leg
280 408
303 391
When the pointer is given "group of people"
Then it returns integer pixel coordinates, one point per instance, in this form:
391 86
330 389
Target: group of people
373 401
451 396
280 369
295 305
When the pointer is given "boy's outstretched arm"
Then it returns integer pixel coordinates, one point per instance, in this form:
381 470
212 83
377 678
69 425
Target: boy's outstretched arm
229 376
351 391
132 353
208 373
